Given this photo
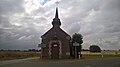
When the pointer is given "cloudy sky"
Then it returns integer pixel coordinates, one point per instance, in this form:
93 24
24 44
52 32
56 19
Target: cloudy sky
22 22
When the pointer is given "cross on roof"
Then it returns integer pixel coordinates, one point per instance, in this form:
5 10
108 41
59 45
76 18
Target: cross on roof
57 2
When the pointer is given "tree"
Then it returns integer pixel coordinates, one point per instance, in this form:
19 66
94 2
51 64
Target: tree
95 48
77 38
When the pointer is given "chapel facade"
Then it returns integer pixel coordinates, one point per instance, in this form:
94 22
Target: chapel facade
55 42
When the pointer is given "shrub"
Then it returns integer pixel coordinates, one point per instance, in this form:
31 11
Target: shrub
94 48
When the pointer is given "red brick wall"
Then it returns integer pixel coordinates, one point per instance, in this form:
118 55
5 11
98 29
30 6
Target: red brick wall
61 36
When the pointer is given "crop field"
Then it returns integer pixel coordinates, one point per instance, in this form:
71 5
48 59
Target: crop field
9 55
103 54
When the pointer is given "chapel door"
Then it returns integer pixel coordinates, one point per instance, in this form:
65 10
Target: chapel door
55 51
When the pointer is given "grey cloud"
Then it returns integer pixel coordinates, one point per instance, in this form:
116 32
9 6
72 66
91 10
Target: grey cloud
104 25
11 6
9 34
4 22
79 11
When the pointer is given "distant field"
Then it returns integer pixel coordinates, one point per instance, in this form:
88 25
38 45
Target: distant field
103 54
113 52
9 55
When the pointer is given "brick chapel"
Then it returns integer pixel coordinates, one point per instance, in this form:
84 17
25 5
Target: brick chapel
55 42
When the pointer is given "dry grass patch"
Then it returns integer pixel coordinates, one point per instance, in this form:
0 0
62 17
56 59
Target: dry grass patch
8 55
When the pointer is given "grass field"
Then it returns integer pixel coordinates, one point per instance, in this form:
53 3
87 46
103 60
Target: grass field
9 55
103 54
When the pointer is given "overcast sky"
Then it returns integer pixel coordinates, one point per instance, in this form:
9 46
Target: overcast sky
22 22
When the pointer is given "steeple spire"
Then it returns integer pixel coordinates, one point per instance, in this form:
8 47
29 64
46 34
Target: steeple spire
56 21
56 15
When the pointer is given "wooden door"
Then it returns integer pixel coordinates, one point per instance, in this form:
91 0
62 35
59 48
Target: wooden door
55 51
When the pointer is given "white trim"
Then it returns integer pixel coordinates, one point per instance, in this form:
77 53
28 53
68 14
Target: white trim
60 49
60 53
50 50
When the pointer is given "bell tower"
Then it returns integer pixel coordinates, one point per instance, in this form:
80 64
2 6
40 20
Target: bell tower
56 21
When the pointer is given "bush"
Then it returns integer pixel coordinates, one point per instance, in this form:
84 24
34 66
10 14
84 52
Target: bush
95 48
